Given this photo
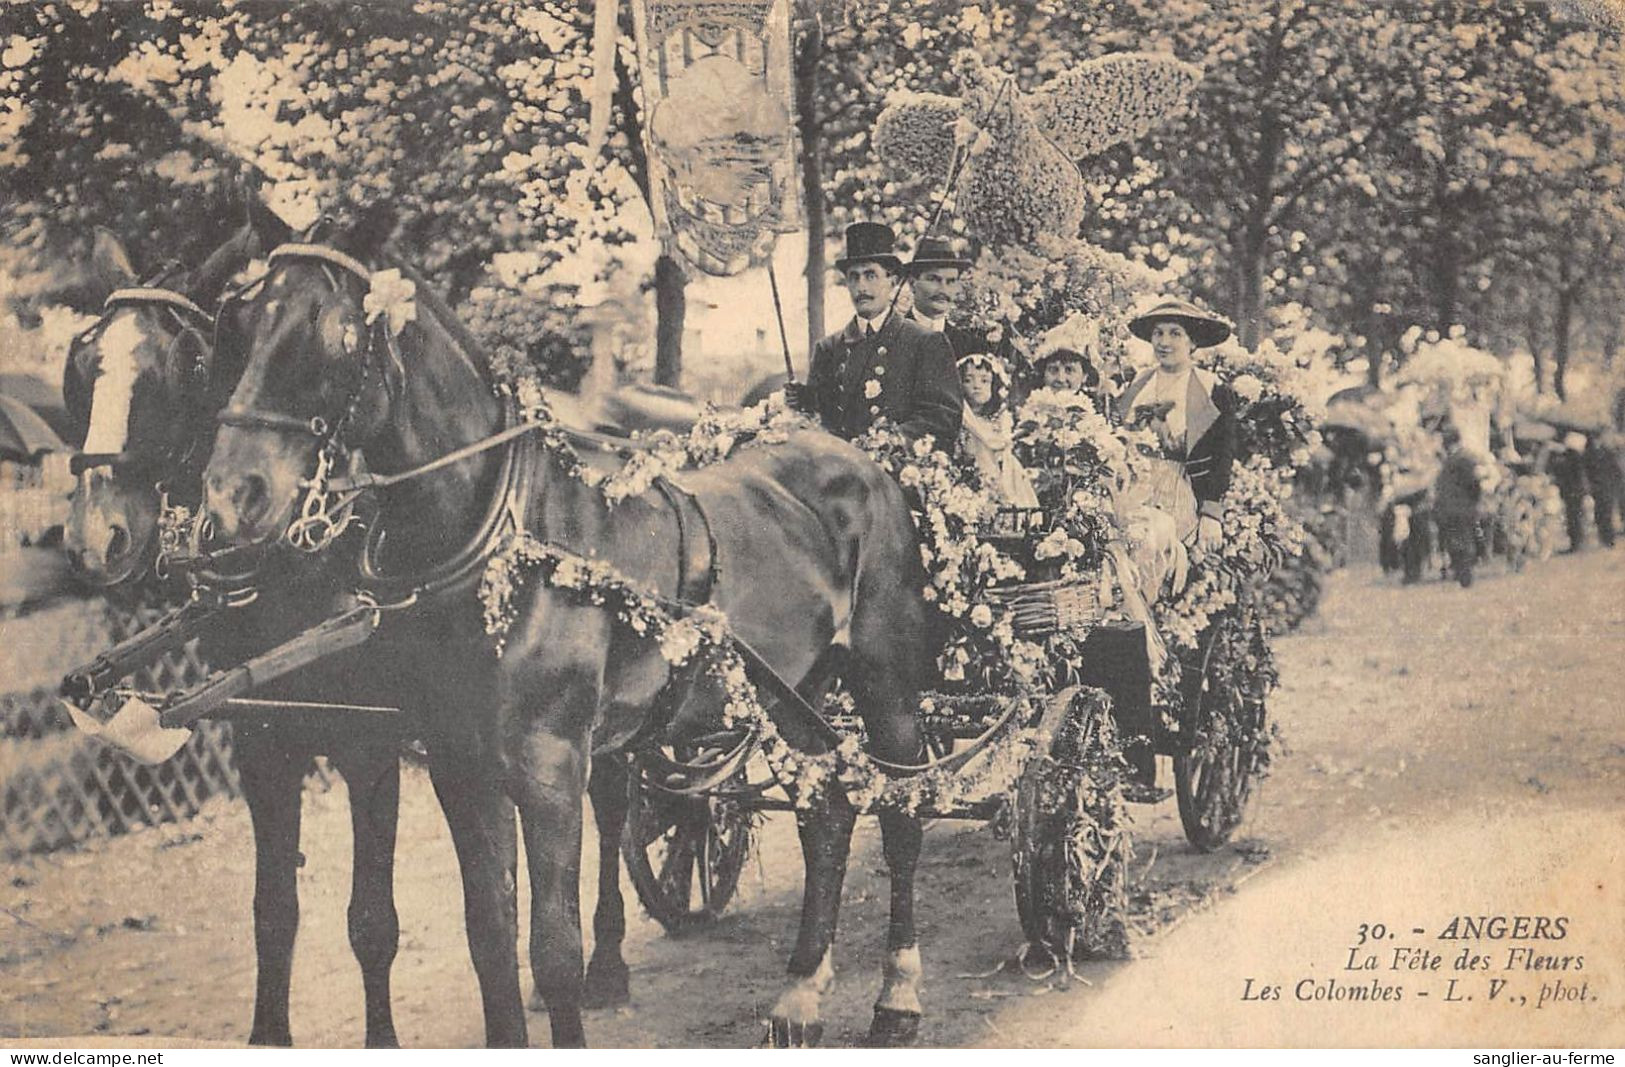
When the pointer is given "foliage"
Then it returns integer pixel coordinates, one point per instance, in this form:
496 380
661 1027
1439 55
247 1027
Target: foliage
467 119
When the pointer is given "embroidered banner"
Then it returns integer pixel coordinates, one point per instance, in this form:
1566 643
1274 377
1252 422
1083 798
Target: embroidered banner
717 125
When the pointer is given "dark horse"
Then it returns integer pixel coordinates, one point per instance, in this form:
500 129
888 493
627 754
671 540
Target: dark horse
144 384
811 541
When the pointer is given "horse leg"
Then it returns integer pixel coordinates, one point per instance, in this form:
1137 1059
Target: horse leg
481 818
272 780
374 777
550 782
881 685
608 980
826 840
897 1009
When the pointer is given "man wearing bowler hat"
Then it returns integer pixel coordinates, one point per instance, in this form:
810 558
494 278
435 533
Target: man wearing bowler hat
880 364
934 276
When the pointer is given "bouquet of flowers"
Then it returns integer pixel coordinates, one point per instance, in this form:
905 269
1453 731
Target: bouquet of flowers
1079 461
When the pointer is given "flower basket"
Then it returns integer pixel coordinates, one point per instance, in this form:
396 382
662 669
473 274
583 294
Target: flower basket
1066 605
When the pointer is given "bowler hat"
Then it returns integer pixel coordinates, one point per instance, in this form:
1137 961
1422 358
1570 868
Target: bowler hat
935 252
1205 329
870 242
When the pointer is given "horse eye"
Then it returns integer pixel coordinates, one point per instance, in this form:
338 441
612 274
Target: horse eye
338 332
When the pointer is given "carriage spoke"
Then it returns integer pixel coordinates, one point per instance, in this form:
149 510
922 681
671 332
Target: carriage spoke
704 859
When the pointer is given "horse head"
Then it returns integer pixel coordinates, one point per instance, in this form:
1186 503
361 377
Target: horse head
329 334
141 385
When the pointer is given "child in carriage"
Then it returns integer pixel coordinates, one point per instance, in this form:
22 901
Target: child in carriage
986 427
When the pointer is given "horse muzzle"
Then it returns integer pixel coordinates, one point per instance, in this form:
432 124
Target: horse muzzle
105 540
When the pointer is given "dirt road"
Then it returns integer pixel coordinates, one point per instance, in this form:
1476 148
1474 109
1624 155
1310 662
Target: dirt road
1447 750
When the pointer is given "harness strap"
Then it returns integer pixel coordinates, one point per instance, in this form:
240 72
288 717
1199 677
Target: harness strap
296 250
696 545
150 294
507 513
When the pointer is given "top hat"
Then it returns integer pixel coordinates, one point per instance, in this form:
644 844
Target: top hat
1205 329
935 252
869 242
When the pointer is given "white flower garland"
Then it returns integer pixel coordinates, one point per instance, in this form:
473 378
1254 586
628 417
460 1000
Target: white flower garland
702 637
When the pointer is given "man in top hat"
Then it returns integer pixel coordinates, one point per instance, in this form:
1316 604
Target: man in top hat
1192 412
881 363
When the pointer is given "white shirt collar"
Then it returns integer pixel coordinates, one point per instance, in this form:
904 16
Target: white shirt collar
876 325
936 325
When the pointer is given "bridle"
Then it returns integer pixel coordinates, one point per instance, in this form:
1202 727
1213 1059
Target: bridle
190 320
324 513
327 508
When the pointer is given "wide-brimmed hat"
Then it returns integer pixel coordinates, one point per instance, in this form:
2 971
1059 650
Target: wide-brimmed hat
1205 329
935 252
870 242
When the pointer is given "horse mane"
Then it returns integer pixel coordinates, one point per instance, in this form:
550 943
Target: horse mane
448 319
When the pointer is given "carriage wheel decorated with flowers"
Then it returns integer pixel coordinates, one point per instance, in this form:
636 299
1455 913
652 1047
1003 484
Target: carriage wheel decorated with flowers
685 853
1223 723
1069 840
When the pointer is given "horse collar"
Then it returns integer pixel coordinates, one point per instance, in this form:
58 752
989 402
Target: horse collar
505 516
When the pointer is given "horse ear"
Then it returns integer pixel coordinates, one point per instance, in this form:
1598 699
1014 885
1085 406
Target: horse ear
267 227
374 225
109 262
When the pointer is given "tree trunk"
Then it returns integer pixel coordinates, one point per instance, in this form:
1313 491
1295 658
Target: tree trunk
671 302
1536 339
1562 326
809 49
1370 321
1446 258
1247 291
671 307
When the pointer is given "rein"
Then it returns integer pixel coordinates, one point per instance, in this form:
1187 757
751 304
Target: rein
505 517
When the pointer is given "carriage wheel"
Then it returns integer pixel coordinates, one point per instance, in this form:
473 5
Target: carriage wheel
1069 845
1213 778
685 854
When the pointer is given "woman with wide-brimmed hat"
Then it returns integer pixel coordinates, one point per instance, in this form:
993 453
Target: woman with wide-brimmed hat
984 432
1193 414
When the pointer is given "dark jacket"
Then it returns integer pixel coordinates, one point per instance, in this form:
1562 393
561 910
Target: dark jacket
1210 437
1457 490
915 382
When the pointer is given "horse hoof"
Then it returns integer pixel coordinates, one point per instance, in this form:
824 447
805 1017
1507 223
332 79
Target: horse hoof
608 986
786 1034
894 1029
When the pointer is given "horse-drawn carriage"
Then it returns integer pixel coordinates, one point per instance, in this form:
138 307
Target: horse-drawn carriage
1046 757
690 828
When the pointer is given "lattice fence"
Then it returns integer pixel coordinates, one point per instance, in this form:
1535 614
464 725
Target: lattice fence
58 787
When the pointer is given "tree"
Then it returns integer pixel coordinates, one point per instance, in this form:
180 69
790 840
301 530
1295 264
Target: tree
468 118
